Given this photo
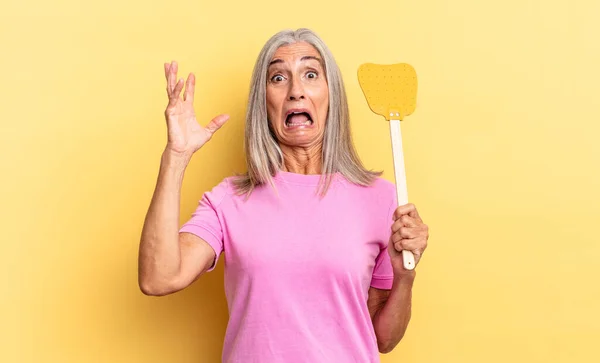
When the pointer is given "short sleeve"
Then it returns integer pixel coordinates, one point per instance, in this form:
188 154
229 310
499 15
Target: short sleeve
383 273
205 221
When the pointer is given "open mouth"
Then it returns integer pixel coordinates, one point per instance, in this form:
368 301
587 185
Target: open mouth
298 118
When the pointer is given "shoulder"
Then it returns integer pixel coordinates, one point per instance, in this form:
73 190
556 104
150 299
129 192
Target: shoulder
380 191
383 185
221 191
384 191
379 186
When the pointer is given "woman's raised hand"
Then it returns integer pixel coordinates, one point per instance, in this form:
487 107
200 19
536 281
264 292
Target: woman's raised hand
185 135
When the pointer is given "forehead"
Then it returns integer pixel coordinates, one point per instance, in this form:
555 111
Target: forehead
296 51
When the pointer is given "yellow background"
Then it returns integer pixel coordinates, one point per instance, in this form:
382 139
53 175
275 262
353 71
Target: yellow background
502 161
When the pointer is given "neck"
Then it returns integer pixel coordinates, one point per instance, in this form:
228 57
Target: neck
302 160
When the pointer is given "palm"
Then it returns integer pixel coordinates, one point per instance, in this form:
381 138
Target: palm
184 132
185 135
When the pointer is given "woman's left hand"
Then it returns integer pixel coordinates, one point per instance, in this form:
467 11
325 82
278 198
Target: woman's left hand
408 233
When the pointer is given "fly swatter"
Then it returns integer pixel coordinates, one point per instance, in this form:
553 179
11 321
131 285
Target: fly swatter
391 91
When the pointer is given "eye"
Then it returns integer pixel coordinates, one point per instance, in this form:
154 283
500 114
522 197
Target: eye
277 78
311 75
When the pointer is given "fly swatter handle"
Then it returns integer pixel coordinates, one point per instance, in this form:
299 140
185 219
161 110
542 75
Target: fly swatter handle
400 174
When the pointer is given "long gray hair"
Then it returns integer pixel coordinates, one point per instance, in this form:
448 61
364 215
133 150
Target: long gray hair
263 154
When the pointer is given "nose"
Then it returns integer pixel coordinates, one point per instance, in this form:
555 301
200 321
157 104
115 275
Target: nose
296 91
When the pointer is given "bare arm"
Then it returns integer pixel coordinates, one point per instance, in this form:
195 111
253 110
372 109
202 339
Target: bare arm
169 261
390 311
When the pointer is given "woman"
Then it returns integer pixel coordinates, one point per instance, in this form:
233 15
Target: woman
309 276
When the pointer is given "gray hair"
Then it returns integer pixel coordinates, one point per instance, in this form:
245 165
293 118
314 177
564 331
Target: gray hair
263 154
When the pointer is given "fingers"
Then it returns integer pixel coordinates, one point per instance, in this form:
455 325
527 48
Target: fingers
216 123
174 96
409 233
173 76
168 78
410 244
190 85
415 245
404 221
409 209
167 67
175 86
408 227
405 232
178 88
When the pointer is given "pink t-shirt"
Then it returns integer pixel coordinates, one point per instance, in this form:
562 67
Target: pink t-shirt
298 268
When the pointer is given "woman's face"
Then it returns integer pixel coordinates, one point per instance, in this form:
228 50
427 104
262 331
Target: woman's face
297 95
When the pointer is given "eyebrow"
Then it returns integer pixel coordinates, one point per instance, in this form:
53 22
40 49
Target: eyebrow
306 57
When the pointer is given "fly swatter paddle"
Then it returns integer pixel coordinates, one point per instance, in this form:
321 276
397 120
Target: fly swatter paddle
391 91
